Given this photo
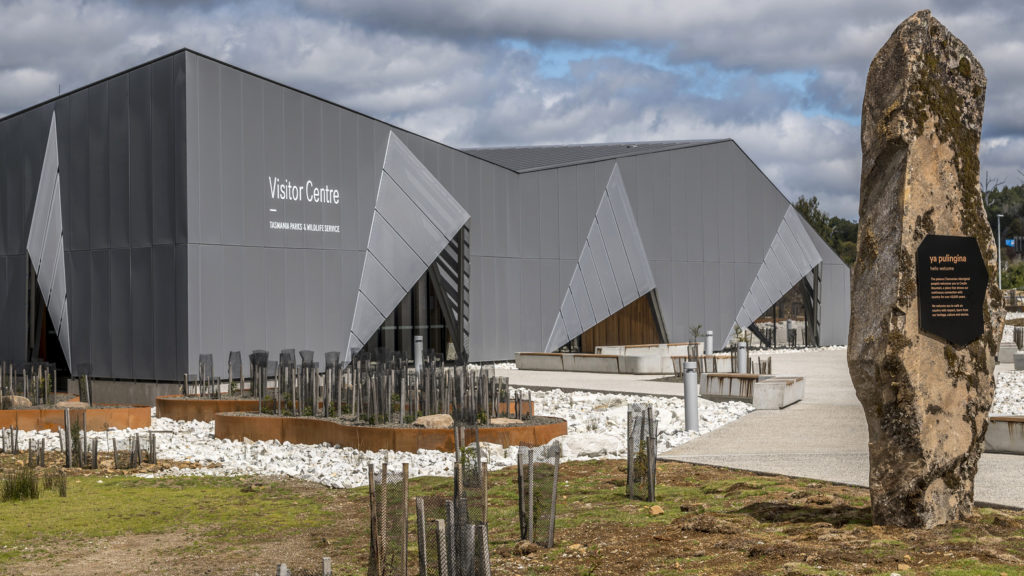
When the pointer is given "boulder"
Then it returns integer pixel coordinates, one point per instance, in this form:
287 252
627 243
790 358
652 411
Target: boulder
925 395
434 421
15 402
72 404
591 445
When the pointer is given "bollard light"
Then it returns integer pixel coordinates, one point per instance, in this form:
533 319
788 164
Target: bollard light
690 394
417 353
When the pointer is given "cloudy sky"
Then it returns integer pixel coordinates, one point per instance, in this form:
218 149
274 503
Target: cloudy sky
785 79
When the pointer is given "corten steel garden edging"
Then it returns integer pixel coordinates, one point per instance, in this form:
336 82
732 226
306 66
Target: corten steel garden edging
96 419
178 407
301 430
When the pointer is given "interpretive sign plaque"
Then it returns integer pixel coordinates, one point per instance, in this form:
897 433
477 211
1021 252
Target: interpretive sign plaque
951 284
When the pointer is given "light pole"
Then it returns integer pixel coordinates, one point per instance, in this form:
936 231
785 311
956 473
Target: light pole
999 248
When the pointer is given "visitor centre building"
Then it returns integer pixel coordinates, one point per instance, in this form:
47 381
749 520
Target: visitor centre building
186 207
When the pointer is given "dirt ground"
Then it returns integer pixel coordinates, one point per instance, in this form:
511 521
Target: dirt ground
747 524
714 521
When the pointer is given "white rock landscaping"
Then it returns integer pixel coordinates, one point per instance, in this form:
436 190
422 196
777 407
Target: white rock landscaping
596 425
1009 397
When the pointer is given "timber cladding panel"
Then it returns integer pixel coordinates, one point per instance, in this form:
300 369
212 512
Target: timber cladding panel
634 324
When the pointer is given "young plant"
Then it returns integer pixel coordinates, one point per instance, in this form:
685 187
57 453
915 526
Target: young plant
21 484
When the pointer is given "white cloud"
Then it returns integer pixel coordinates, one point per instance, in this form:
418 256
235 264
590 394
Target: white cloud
778 77
27 85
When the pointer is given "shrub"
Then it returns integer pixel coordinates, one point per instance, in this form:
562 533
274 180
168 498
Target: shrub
21 484
56 479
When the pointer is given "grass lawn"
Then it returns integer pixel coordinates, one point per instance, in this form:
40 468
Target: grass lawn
715 522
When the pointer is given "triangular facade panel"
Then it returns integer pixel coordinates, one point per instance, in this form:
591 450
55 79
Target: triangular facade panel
414 220
612 270
46 242
790 257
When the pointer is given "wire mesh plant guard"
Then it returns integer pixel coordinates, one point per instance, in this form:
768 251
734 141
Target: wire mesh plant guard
451 530
641 452
36 453
389 521
470 475
538 492
9 440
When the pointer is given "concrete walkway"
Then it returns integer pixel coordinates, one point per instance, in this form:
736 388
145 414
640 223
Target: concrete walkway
593 382
825 436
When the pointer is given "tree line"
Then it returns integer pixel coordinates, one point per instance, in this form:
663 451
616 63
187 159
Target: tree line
841 234
1008 201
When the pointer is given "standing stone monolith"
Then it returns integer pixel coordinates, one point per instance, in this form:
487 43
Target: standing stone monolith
923 340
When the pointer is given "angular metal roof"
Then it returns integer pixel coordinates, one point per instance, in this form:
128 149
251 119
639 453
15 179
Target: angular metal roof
532 158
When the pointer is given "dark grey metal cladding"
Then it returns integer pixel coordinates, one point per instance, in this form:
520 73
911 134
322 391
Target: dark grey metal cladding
23 141
110 200
250 286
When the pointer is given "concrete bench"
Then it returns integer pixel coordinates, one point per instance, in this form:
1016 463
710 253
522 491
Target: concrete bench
765 392
539 361
777 392
646 364
673 349
554 362
1005 434
728 385
1006 351
601 363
